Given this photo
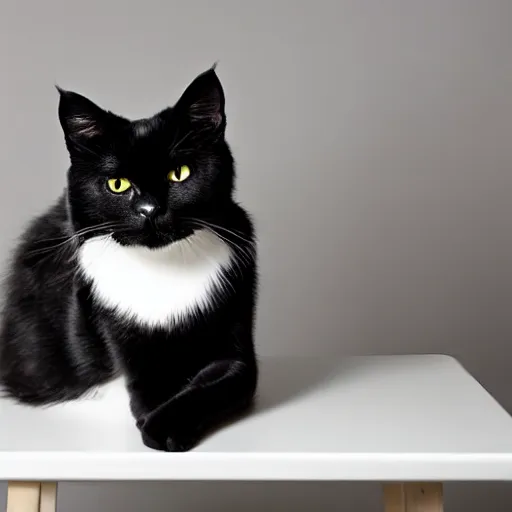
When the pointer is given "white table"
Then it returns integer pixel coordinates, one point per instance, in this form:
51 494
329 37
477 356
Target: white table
410 422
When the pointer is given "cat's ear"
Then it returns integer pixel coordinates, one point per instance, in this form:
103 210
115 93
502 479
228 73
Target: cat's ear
82 120
203 101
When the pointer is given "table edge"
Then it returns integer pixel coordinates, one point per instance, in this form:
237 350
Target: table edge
203 466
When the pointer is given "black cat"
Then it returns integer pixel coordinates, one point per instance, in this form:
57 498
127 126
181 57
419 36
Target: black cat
145 267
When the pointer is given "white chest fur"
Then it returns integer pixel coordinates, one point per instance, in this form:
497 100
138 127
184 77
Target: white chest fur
159 287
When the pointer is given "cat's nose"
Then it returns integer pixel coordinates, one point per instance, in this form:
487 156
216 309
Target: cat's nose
147 208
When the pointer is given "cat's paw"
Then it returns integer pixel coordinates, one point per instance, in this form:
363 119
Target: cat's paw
180 444
160 436
169 444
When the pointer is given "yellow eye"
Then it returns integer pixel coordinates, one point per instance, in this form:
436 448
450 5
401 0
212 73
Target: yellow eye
119 185
179 175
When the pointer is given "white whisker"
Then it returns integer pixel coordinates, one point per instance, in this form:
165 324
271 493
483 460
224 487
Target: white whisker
71 238
245 251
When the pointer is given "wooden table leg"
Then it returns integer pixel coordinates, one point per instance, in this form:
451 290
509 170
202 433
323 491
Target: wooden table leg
48 501
23 496
413 497
31 497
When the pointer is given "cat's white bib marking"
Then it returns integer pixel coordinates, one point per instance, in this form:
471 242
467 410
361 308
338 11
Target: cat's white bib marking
157 287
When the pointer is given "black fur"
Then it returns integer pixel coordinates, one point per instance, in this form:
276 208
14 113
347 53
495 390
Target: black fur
57 342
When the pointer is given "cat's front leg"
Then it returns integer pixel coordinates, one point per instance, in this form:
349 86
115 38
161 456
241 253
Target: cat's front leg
220 390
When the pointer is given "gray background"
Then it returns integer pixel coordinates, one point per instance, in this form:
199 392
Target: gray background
374 145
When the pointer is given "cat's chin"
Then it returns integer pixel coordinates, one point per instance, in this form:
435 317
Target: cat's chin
149 240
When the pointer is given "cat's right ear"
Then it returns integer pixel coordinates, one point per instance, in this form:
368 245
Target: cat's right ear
82 120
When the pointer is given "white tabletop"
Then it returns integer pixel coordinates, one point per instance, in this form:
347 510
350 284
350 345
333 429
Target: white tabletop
365 418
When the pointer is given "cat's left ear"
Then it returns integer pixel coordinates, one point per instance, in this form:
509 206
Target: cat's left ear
203 102
82 120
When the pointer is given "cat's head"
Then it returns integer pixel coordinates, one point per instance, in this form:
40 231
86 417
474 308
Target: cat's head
145 181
